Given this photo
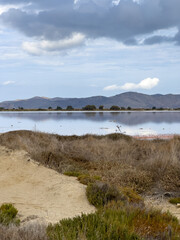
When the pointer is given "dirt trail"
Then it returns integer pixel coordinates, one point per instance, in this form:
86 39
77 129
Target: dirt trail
38 191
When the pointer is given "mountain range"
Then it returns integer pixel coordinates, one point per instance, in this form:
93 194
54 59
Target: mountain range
128 99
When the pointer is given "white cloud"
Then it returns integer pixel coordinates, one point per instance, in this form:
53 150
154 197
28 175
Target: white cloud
147 83
44 47
8 83
5 8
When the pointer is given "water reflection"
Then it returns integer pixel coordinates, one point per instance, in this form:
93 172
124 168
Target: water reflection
68 123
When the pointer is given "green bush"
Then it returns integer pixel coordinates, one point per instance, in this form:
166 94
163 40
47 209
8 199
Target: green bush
99 194
87 179
117 222
8 214
174 200
90 227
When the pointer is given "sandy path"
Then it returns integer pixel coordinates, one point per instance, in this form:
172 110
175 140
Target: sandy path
36 190
164 205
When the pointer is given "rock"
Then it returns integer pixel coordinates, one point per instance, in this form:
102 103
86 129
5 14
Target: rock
178 205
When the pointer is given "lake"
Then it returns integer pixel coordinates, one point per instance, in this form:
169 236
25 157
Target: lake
79 123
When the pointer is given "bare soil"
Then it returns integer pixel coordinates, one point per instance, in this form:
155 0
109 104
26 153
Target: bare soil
163 204
38 192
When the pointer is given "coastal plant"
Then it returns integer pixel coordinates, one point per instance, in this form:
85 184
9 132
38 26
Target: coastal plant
28 231
117 221
8 214
118 159
174 200
99 194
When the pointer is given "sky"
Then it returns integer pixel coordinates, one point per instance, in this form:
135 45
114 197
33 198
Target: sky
82 48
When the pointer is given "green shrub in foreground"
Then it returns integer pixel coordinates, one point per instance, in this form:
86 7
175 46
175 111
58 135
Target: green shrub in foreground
8 214
117 222
90 227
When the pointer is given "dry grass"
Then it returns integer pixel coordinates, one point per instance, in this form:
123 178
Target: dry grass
30 231
117 159
120 161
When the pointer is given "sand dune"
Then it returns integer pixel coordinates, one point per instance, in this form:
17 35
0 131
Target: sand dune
39 192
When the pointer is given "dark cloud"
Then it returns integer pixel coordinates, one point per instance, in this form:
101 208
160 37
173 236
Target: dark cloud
124 22
158 39
177 37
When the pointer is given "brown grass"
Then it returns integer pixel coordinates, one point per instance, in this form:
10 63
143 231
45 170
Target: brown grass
31 231
146 166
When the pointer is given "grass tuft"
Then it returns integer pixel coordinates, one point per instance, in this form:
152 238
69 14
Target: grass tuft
8 214
174 200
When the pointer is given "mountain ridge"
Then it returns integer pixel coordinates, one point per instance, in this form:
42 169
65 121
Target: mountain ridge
127 99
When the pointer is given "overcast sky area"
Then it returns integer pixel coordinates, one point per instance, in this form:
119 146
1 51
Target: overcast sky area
81 48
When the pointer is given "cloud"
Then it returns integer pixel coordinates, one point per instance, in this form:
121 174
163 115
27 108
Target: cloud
124 20
7 7
8 83
45 46
157 40
147 84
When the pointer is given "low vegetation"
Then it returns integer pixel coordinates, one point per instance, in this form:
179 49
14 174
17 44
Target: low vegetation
30 231
117 169
175 200
8 215
116 221
119 160
100 194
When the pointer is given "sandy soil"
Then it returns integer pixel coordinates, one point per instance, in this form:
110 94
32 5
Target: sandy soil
163 204
39 192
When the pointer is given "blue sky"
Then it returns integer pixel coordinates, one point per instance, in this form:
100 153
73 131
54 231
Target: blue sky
88 47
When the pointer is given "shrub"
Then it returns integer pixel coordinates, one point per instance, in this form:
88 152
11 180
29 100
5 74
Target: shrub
87 179
72 174
83 178
95 226
133 197
99 194
58 108
28 231
89 107
114 108
69 108
101 107
116 222
174 200
8 214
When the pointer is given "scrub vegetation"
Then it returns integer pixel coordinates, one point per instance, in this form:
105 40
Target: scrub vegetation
118 171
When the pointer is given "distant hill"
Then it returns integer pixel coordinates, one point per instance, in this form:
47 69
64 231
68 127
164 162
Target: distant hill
128 99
